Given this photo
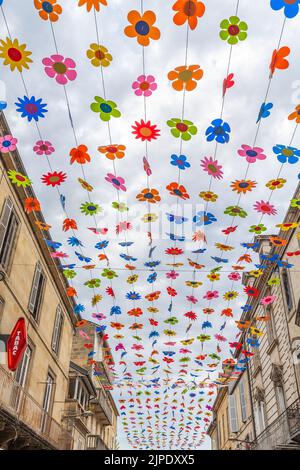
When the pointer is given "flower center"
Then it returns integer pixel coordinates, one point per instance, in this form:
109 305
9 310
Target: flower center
59 68
212 168
189 8
20 178
244 185
275 183
287 152
111 149
31 108
251 153
14 54
54 179
145 131
144 86
219 130
182 127
99 54
235 210
265 208
116 182
91 208
6 143
47 7
43 147
177 192
185 76
233 30
142 28
105 108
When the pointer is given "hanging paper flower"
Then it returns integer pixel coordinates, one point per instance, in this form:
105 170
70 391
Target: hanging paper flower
178 190
42 225
135 312
243 186
192 299
133 296
212 167
265 208
32 204
287 226
223 247
60 68
182 128
8 143
48 10
188 10
180 161
149 195
211 294
92 283
231 295
113 151
295 203
144 85
268 300
14 54
109 273
213 277
18 179
227 312
264 111
116 181
99 55
233 30
172 275
174 251
204 218
85 185
105 109
234 276
153 296
275 281
54 179
257 229
80 155
69 224
89 208
208 196
102 245
251 154
251 291
291 7
277 241
92 4
219 130
145 131
43 147
132 279
276 184
278 60
148 218
31 108
121 207
185 77
142 27
235 211
295 115
286 154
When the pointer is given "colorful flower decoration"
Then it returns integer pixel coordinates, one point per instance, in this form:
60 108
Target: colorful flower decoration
233 30
54 179
178 190
291 7
14 54
109 273
257 229
60 68
231 295
274 281
208 196
287 226
85 185
204 218
92 283
121 207
212 167
277 241
251 291
116 181
182 128
149 218
180 161
113 151
251 154
48 10
144 85
278 59
31 108
213 276
211 294
8 143
235 211
43 147
264 111
79 155
265 208
276 184
286 154
19 179
174 251
268 300
145 131
295 203
219 131
141 27
31 205
185 77
102 245
149 195
295 115
105 109
243 186
188 10
92 4
89 208
235 276
99 55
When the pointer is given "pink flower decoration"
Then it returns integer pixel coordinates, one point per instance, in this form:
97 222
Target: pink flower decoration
60 68
172 275
211 294
8 144
144 85
268 300
192 299
265 208
252 153
212 167
43 147
234 276
116 181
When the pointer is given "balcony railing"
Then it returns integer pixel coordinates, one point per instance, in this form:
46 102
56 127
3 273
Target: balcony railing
94 442
19 404
283 432
100 406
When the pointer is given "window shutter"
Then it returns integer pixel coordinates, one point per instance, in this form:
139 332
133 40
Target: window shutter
57 329
232 414
34 288
243 401
9 239
5 216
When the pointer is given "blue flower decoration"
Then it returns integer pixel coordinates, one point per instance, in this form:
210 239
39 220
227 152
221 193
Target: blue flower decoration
53 244
180 161
206 324
31 108
291 9
79 308
246 308
204 218
115 310
83 258
286 154
68 266
177 238
264 111
127 257
126 243
176 218
3 104
1 2
133 296
73 241
219 130
152 264
102 245
152 278
153 334
219 260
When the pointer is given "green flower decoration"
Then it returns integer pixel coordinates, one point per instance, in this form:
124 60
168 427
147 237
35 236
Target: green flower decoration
258 229
138 338
169 333
121 207
93 283
185 359
275 281
18 179
89 208
106 109
235 211
109 273
69 273
203 338
295 203
214 356
171 321
183 129
233 30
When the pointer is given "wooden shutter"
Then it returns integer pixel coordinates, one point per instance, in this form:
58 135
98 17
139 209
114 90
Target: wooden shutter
243 401
34 288
57 329
232 414
5 216
8 230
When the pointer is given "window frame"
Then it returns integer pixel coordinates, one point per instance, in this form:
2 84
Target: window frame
35 311
12 216
233 414
57 330
285 275
243 403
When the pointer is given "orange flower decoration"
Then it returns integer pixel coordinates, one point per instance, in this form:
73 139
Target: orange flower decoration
135 312
69 224
117 326
42 225
277 241
149 195
113 151
177 190
227 312
80 155
71 292
153 296
92 4
243 186
31 204
142 27
185 77
188 10
295 115
49 10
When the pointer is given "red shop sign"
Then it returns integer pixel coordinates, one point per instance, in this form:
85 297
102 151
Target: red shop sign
16 344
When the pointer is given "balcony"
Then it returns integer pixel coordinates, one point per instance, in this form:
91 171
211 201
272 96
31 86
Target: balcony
94 442
35 427
283 433
101 408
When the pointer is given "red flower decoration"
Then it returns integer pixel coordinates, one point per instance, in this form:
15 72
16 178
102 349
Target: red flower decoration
172 292
191 315
251 291
174 251
110 291
54 179
145 131
227 312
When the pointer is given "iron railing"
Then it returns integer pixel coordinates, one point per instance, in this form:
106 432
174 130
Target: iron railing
94 442
101 401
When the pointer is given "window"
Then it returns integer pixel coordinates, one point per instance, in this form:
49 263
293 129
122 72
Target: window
270 325
8 231
37 290
280 399
243 401
297 319
223 428
78 392
287 289
57 330
232 414
259 413
21 378
47 403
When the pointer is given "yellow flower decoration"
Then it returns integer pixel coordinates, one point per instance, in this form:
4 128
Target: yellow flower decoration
276 184
97 298
213 277
224 247
149 218
14 54
85 185
99 55
153 309
230 295
132 279
170 333
194 284
288 226
256 273
208 196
